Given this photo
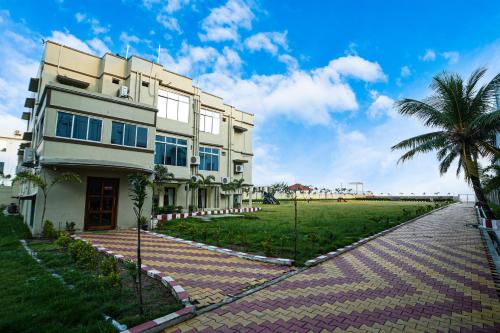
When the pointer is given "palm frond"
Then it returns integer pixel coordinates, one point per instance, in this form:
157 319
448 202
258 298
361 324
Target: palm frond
418 140
421 110
428 146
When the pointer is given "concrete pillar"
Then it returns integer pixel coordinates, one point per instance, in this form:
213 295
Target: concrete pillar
250 191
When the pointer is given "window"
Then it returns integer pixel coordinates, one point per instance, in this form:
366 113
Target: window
209 121
39 130
170 151
209 159
129 135
173 106
76 127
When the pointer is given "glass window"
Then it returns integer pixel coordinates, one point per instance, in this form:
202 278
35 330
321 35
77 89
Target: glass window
209 122
95 129
159 153
174 152
173 106
142 137
162 107
209 159
64 124
170 155
130 134
181 156
117 133
80 127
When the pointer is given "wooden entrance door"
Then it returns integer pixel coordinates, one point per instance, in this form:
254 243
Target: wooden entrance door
101 204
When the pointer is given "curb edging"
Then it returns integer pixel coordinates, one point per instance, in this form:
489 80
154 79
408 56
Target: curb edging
229 252
158 324
179 216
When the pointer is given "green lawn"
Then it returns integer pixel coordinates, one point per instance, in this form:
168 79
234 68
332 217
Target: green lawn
32 300
323 226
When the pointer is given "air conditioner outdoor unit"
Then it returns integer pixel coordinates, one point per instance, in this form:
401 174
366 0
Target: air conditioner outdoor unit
20 169
225 180
29 156
195 178
195 160
123 92
238 168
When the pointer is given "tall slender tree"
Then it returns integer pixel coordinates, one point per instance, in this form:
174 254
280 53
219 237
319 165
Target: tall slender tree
138 184
466 121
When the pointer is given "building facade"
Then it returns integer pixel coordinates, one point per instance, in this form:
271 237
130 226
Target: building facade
107 117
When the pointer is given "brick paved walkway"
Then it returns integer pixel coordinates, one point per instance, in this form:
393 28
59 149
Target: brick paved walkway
427 276
207 276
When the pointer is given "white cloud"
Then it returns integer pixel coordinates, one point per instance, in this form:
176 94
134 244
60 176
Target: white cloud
290 61
405 71
303 96
381 105
190 60
452 56
429 55
267 41
94 23
98 46
80 17
168 22
126 38
223 22
175 5
355 67
267 169
372 161
94 46
19 55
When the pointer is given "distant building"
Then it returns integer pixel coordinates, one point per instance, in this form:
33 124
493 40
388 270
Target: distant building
9 147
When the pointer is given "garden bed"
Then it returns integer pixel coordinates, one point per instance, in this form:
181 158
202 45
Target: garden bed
324 226
33 300
117 297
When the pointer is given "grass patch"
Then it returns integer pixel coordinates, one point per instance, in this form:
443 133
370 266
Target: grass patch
31 300
323 226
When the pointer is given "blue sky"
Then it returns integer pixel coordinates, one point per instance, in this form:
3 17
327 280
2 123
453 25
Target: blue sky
320 76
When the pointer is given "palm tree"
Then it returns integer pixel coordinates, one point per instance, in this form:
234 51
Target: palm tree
199 181
44 185
466 121
161 177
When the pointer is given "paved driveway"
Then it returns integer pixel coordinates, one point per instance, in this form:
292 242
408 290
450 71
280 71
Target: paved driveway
207 276
427 276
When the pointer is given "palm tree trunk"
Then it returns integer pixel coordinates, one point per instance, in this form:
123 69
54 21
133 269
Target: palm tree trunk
480 197
476 184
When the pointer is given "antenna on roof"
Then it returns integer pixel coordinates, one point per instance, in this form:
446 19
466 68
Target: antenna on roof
126 52
159 50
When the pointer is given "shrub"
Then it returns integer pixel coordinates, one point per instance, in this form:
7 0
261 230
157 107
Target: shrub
110 273
63 240
70 227
84 254
192 208
48 230
268 246
144 221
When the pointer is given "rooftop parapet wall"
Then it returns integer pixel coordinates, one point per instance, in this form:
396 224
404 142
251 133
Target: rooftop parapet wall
99 72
